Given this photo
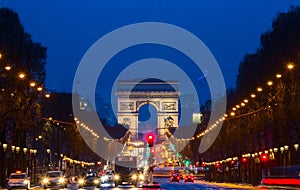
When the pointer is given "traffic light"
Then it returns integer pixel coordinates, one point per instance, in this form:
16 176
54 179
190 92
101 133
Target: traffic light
152 151
150 140
187 162
244 160
264 157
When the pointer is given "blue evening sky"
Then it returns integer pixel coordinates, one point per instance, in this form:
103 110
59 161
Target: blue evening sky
230 28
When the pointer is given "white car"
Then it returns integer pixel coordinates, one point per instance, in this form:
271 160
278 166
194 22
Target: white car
18 180
107 180
109 174
54 179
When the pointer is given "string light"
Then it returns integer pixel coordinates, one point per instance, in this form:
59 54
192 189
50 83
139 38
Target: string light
22 75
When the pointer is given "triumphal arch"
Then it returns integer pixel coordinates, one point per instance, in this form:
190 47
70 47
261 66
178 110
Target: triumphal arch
163 95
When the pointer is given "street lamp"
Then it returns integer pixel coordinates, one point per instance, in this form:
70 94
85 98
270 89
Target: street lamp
13 148
3 166
34 151
270 83
18 149
48 151
25 162
281 149
17 157
32 84
49 156
4 147
7 68
47 95
290 66
22 75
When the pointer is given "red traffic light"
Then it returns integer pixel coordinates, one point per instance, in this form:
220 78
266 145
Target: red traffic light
264 157
150 139
244 159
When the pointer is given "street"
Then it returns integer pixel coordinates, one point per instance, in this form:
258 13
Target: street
166 184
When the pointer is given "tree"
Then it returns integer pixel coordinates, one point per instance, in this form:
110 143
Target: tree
19 102
271 119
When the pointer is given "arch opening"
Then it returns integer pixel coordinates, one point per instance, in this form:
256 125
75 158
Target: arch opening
147 120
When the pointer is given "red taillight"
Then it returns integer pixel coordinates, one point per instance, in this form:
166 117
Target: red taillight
192 178
177 177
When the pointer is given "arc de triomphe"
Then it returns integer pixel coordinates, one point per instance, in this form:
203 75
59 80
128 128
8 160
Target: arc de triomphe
163 95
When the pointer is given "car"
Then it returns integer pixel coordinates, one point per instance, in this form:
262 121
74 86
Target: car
54 179
175 177
189 178
107 179
88 179
18 180
110 174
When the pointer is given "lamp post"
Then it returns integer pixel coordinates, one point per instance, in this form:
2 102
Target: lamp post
288 155
34 151
25 160
60 161
296 154
17 158
13 148
4 172
49 157
282 156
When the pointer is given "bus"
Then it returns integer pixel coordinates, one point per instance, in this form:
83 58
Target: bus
126 171
288 176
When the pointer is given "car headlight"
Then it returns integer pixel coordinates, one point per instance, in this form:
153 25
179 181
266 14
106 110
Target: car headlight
61 180
45 180
26 181
96 181
81 181
134 177
116 177
141 177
